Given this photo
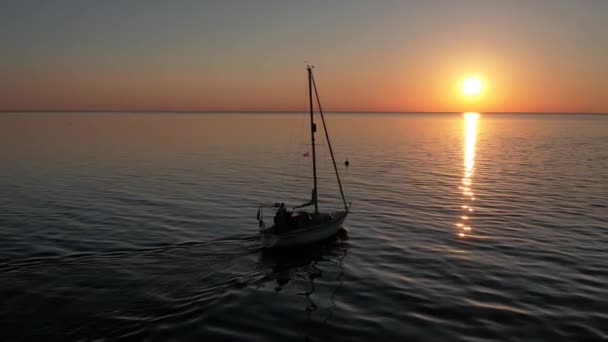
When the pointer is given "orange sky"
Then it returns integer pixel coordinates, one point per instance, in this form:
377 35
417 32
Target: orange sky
541 56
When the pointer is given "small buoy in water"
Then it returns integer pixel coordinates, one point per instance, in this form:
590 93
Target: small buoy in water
343 234
346 163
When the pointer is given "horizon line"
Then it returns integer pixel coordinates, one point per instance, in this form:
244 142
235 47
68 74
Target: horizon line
284 112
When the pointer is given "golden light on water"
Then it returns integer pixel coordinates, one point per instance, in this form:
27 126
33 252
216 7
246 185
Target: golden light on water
470 141
470 136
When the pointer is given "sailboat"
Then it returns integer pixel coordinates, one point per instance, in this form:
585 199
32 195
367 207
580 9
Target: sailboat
298 227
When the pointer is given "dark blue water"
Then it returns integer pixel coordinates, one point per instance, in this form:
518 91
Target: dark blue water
142 227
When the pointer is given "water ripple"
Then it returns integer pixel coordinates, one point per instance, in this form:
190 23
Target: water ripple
132 237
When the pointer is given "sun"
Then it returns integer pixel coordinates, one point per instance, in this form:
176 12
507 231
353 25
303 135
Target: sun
471 86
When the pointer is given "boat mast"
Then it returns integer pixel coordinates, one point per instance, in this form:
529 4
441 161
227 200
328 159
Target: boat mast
331 151
313 129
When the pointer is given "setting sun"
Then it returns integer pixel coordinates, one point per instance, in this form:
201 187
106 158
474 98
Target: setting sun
471 86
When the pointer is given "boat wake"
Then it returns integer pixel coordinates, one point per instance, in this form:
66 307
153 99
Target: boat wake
133 292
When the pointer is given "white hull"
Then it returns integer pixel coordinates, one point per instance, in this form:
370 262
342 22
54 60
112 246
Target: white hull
303 236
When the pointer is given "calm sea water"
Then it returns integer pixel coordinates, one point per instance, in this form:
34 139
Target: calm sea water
142 227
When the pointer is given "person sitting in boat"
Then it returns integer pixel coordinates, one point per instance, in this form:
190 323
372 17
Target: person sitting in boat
281 217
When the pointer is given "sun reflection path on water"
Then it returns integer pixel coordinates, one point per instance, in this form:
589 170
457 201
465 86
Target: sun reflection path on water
470 139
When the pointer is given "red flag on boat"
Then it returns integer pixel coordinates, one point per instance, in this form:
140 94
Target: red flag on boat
306 154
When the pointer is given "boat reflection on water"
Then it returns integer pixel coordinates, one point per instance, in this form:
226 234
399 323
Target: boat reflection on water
297 270
289 263
470 139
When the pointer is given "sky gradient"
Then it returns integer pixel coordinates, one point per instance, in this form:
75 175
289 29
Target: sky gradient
533 56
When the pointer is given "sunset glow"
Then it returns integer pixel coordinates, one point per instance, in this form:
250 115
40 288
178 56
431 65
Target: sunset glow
195 57
314 170
471 86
